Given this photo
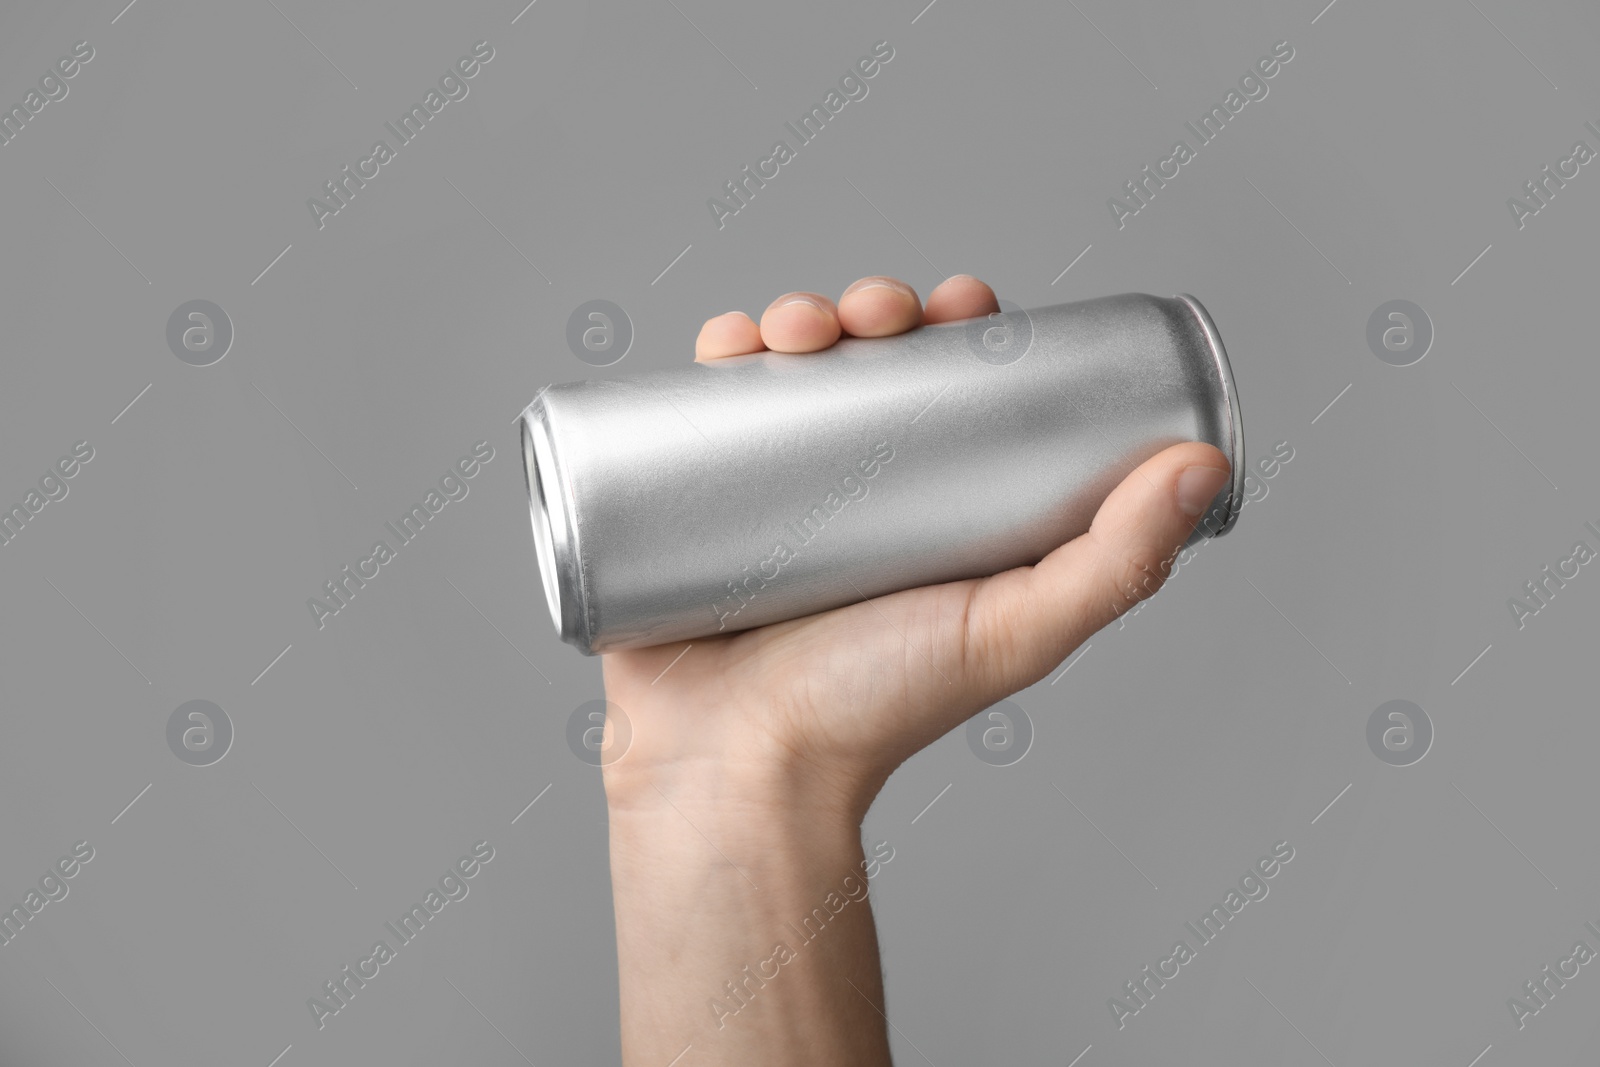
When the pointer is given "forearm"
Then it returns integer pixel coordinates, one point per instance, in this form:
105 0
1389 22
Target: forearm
744 931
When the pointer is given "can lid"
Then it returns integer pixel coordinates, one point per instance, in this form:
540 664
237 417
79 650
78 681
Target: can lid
1235 418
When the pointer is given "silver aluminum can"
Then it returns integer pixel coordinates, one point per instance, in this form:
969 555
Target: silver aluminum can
709 499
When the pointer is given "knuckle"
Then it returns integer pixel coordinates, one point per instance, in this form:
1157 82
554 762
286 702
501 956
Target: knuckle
1138 574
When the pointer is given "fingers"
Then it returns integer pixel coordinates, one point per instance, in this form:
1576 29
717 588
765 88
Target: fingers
877 306
795 322
733 334
961 297
800 322
874 306
1025 622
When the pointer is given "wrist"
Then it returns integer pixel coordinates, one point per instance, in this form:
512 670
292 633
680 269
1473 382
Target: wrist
768 789
761 800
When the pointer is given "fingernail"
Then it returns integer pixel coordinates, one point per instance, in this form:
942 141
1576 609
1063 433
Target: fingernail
1197 487
871 283
957 277
741 314
806 300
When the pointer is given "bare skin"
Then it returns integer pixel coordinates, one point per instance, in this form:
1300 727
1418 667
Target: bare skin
737 808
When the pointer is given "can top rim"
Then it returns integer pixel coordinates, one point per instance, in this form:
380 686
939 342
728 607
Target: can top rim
555 531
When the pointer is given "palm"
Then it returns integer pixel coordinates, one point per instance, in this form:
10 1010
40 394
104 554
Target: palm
830 688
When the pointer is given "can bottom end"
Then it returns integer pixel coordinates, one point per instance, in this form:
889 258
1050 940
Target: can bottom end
1230 501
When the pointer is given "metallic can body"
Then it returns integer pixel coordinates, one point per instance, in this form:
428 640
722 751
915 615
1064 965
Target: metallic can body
710 499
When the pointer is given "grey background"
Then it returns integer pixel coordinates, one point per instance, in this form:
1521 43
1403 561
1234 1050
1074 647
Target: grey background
1222 718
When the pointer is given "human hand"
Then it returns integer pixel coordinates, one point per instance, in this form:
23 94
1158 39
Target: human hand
826 707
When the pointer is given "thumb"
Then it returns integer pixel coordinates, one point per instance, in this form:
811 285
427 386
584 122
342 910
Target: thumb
1024 622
